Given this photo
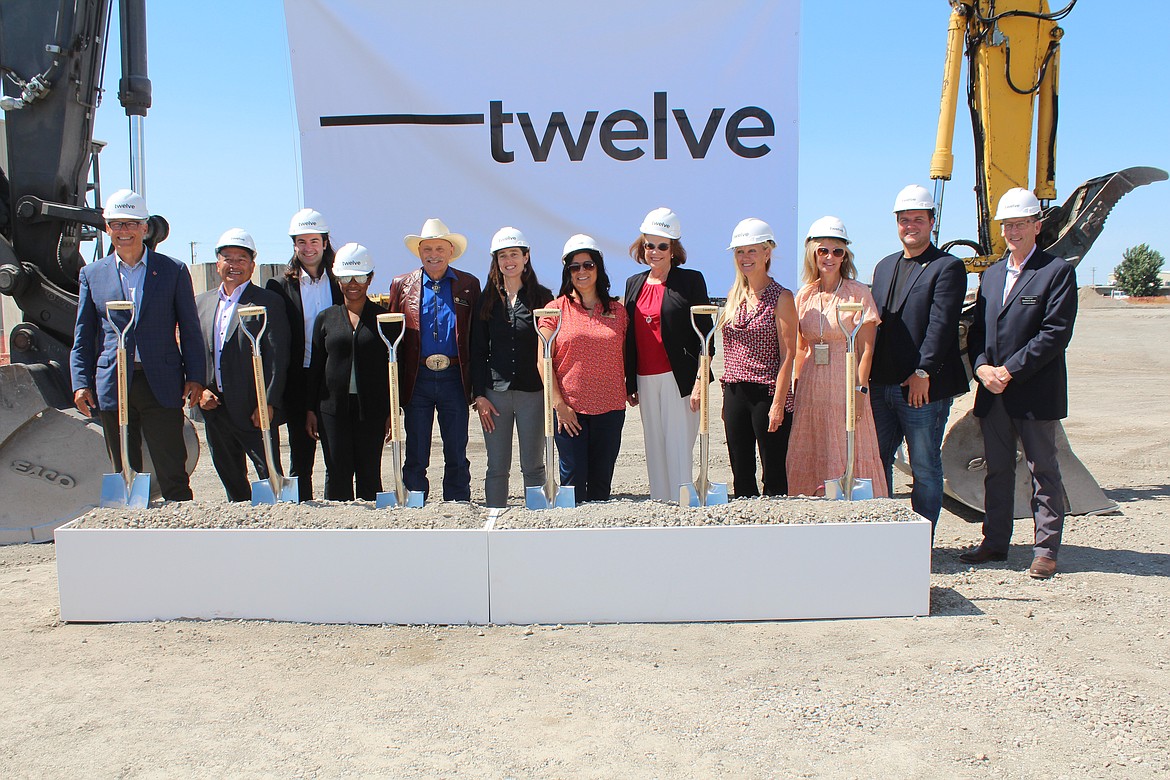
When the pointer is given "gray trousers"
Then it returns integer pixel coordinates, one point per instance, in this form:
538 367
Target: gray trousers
525 410
999 444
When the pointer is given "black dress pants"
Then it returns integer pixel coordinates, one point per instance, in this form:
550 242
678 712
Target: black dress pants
353 453
302 447
162 427
745 418
229 446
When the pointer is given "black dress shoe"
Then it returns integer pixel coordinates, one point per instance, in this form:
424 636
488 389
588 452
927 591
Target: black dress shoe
981 555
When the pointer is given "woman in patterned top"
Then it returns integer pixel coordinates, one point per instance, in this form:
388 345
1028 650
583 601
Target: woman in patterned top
504 356
759 341
589 383
818 430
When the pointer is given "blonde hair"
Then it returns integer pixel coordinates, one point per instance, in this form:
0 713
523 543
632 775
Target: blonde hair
740 287
811 273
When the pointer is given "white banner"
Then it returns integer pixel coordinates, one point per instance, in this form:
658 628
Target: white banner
554 118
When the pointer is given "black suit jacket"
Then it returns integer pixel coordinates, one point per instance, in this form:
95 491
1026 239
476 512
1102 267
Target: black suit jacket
921 328
335 346
684 288
295 390
1028 336
238 394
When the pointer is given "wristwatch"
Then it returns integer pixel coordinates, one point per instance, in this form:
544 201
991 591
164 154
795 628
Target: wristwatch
864 390
918 372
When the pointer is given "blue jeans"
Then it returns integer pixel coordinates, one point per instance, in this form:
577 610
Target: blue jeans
440 391
922 428
588 459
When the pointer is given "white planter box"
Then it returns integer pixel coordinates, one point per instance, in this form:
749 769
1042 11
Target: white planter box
600 575
312 575
767 572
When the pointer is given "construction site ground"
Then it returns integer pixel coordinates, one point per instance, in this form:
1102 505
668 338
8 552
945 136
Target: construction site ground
1008 678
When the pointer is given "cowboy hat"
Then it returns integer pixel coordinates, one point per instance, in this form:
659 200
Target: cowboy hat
434 228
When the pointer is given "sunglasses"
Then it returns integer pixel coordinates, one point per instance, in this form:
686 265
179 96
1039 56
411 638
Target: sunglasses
588 265
358 278
660 247
824 251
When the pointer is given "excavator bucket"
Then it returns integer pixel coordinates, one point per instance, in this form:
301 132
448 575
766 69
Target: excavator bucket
964 470
1070 229
53 461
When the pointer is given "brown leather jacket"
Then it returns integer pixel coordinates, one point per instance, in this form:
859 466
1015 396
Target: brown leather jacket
405 292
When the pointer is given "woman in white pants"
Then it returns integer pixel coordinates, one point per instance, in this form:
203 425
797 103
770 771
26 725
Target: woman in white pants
662 352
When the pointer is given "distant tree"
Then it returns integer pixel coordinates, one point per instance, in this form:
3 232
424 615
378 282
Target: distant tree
1138 273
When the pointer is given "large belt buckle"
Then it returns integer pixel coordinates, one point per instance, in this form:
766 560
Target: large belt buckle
437 362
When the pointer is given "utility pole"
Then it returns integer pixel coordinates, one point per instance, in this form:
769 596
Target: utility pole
193 244
1093 270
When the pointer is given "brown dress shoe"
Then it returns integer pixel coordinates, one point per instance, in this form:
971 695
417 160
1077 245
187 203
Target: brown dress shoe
1042 568
981 554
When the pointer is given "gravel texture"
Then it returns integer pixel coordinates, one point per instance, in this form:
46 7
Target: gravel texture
456 515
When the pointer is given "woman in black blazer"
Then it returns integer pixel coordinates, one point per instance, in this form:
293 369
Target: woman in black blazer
348 388
662 352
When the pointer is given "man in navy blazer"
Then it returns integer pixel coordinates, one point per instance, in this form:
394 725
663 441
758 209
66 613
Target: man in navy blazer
228 402
917 365
166 371
1023 324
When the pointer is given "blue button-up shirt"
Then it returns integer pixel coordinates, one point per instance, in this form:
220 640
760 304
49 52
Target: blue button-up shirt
133 277
437 316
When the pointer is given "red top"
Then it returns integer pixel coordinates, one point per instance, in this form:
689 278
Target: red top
652 359
589 356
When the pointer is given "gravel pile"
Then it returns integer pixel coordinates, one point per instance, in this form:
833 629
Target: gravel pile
748 511
311 514
457 515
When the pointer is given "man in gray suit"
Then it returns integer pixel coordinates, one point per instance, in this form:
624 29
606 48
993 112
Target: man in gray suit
229 401
1023 324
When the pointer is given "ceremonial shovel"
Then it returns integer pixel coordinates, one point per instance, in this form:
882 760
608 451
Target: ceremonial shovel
703 492
266 491
846 488
399 496
127 489
549 495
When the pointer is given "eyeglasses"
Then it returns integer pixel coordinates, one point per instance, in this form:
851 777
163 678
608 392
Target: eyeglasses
356 278
660 247
1012 227
120 225
588 265
824 251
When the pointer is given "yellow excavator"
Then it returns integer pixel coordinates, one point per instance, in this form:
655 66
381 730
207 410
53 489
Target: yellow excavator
1012 52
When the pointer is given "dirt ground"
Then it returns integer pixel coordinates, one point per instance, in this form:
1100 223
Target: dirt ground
1008 677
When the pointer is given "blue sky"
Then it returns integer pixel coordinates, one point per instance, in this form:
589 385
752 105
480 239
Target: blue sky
222 152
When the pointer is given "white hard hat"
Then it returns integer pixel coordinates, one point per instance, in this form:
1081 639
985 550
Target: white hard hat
1017 203
913 197
307 221
662 222
506 238
352 260
580 243
236 237
828 227
125 204
751 231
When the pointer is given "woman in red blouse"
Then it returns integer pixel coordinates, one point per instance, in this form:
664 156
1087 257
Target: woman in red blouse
589 386
662 352
759 344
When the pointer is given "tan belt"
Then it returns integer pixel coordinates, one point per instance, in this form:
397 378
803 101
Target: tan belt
437 362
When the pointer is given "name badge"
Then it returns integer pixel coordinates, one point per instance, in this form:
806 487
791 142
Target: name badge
1029 300
820 354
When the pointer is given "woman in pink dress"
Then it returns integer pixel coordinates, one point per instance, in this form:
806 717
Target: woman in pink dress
817 448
